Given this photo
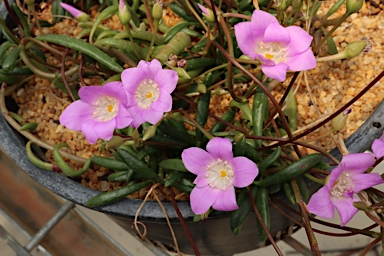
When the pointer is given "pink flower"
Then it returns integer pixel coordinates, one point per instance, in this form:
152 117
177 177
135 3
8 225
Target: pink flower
378 147
79 15
149 89
279 49
218 172
100 110
342 184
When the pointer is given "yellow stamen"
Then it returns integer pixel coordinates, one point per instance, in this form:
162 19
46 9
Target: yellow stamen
148 95
268 56
223 173
110 108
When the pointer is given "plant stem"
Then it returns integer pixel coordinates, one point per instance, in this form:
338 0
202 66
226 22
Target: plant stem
183 224
305 219
260 219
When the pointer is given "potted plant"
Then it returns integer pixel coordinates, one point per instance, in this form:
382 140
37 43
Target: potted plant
202 111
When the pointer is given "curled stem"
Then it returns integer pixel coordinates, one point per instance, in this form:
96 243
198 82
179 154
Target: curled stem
64 166
36 161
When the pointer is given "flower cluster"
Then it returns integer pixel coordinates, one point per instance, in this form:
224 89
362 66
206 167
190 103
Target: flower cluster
144 95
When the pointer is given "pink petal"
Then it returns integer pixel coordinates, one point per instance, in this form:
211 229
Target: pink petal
137 115
167 80
220 148
245 171
72 10
247 38
150 68
131 78
203 9
366 180
335 173
76 114
226 200
201 180
345 208
104 130
320 204
277 72
358 162
202 199
300 40
303 61
261 20
124 118
116 89
89 133
196 160
90 94
378 148
152 116
163 103
121 6
275 33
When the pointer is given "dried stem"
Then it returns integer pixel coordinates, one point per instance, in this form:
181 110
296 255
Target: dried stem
370 246
64 77
260 219
365 231
305 219
184 224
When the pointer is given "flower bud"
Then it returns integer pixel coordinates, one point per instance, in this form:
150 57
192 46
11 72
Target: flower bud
219 91
157 11
123 14
181 63
115 142
182 73
29 2
77 14
354 6
360 205
355 48
239 137
207 13
201 88
149 132
339 121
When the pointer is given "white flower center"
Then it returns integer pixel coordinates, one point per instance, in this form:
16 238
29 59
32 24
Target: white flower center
219 174
146 93
343 186
272 51
106 108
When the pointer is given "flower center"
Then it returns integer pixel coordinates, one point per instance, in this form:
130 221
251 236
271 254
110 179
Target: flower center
219 174
146 93
343 186
106 108
272 51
